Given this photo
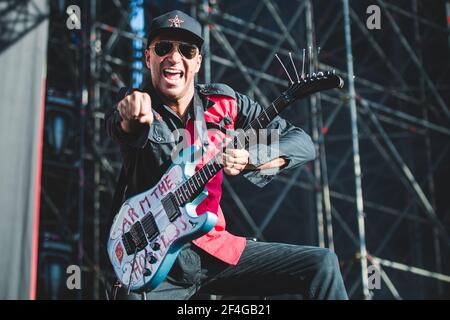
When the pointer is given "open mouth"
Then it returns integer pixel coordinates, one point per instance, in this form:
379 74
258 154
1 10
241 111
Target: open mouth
173 74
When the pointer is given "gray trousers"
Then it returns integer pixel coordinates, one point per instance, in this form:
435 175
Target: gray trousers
264 269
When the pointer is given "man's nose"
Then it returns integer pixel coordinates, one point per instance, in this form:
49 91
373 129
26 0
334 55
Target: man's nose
174 55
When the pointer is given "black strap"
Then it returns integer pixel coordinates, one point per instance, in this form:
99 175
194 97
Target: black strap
200 128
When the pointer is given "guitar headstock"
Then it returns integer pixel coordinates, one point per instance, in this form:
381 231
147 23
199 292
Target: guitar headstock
313 83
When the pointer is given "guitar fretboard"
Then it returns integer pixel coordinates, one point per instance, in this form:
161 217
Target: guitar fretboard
194 185
304 87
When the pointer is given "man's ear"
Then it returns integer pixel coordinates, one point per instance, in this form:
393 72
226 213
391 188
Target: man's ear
199 63
147 58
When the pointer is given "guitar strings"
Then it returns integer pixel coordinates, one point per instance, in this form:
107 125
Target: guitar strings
270 109
295 69
285 70
131 272
178 192
303 64
190 188
214 161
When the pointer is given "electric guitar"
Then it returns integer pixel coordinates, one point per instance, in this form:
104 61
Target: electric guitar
151 228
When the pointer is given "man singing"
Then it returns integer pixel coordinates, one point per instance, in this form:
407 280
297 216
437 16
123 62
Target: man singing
143 123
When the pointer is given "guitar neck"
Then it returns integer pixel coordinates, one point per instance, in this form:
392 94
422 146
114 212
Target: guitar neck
304 87
195 184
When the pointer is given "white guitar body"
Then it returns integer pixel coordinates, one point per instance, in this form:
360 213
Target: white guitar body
146 268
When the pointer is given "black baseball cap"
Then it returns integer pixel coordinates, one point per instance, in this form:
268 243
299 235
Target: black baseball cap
179 22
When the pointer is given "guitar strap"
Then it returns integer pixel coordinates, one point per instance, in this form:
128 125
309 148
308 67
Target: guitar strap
200 129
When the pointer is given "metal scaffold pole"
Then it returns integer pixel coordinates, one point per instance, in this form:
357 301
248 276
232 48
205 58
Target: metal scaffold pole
95 104
322 194
206 44
356 155
84 104
315 127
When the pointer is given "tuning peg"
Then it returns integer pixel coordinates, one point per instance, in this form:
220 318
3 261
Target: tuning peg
303 64
285 70
295 68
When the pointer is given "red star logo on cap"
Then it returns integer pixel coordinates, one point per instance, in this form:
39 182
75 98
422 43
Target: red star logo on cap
175 22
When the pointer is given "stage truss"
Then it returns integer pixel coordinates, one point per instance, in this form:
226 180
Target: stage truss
382 141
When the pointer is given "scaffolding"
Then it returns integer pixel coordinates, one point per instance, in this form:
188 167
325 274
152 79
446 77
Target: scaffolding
371 194
17 18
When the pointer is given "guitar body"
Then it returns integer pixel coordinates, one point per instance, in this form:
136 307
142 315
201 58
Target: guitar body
147 267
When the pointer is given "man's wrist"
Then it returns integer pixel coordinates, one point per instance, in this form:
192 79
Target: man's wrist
275 163
130 127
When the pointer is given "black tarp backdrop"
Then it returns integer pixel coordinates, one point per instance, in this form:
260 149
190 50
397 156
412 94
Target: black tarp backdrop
22 83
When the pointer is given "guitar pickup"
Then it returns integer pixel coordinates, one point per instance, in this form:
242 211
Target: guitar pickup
170 207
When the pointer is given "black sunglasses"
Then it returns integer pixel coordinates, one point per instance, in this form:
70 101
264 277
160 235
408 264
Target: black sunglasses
164 47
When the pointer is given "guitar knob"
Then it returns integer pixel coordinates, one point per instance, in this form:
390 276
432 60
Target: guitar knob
147 272
152 259
155 246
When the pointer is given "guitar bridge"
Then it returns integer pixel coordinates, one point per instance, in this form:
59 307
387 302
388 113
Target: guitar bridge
134 239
